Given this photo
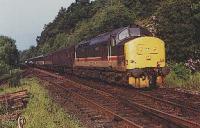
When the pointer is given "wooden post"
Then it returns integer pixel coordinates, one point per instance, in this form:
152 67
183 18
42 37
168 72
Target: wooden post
21 122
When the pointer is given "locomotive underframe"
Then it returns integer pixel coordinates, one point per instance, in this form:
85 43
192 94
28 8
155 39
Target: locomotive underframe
111 76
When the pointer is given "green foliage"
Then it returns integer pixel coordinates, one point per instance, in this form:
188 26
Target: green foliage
176 22
41 111
32 52
15 80
181 71
86 24
142 8
8 51
8 124
181 76
9 55
2 109
41 105
192 83
4 68
176 26
105 20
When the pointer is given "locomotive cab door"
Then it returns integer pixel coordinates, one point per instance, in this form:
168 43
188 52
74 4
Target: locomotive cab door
111 44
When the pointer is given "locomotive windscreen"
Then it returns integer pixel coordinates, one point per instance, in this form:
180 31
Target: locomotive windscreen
135 32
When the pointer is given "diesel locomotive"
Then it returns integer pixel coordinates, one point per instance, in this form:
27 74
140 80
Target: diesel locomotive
128 55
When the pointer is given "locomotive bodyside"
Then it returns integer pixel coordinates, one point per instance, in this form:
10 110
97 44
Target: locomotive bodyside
133 58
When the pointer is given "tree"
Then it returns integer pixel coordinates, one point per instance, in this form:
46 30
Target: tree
174 21
9 53
176 27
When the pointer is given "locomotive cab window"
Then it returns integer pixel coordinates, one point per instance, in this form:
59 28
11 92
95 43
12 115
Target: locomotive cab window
134 32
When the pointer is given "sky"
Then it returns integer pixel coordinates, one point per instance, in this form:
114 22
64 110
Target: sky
24 20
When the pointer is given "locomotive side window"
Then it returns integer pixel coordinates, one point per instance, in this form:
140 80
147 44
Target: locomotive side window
124 34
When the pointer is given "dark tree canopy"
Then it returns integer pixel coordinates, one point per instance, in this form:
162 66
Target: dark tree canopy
178 25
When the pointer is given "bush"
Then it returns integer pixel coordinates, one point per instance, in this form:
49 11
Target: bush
181 76
181 71
2 109
4 68
15 80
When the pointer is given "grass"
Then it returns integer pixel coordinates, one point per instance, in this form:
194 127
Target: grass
41 112
8 124
191 83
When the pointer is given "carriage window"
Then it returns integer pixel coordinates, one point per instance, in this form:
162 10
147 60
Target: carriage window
124 34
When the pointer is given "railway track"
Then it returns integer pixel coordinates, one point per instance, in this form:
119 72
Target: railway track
179 96
146 110
91 110
154 99
170 96
103 104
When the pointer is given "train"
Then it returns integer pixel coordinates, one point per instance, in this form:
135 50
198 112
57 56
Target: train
127 56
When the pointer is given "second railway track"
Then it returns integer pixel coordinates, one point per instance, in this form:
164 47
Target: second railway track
135 110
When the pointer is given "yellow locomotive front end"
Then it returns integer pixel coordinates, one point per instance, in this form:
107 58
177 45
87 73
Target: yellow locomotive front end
145 61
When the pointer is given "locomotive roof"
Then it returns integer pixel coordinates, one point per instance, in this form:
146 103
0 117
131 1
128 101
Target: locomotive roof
100 39
37 57
103 38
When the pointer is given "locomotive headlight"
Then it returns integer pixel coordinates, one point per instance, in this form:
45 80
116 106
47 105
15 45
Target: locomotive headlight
148 57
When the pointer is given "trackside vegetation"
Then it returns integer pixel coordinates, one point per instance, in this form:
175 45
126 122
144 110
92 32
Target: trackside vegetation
41 112
9 57
182 76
